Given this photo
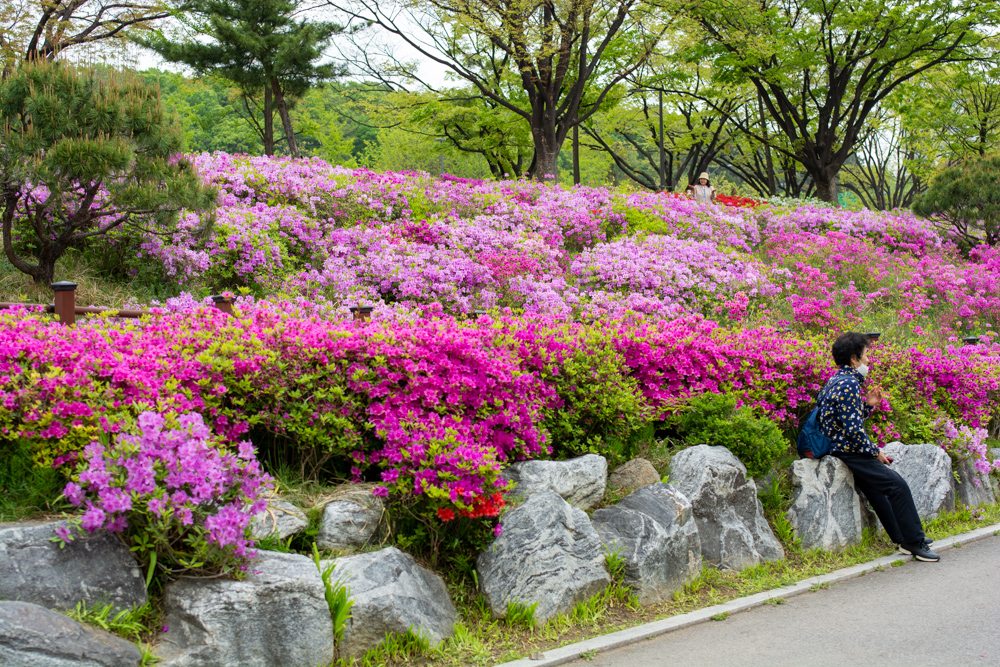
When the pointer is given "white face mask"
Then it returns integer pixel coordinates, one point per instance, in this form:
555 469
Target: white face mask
863 369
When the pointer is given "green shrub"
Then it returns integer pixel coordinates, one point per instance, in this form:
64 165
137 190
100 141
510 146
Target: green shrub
26 489
714 419
601 409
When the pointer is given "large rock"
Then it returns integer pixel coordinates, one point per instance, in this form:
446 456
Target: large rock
654 531
580 481
33 636
826 511
280 519
391 593
276 616
927 471
734 533
351 520
548 553
973 489
95 569
635 474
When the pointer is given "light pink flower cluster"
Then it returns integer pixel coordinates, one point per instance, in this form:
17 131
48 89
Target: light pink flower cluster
172 488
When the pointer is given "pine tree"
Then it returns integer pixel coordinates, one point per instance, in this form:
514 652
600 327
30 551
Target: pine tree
966 197
256 44
82 152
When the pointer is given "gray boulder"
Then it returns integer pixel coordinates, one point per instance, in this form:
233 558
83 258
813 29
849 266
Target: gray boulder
973 489
635 474
280 519
277 616
96 569
350 523
734 533
927 471
580 481
548 553
391 593
33 636
654 531
826 512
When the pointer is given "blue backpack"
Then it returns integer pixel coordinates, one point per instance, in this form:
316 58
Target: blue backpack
811 438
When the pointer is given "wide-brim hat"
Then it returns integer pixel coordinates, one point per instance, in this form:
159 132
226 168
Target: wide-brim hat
702 175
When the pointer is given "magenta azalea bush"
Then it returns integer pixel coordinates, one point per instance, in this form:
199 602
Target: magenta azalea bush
434 406
175 493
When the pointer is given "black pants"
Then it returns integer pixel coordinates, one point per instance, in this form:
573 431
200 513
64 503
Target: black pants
889 496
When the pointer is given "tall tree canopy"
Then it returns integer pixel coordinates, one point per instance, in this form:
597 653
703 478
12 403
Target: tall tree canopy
551 63
259 45
822 66
31 29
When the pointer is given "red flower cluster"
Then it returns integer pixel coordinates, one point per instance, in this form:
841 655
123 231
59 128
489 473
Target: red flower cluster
738 202
484 506
481 506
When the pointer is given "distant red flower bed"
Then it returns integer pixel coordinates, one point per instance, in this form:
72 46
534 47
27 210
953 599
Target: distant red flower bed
739 202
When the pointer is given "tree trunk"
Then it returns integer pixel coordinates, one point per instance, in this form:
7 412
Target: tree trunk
772 186
547 143
286 120
576 155
826 184
546 165
268 123
41 274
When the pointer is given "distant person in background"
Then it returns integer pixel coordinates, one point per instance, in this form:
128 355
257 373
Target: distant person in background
843 408
703 191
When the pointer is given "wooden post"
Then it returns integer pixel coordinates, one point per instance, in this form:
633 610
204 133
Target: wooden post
65 301
361 314
223 303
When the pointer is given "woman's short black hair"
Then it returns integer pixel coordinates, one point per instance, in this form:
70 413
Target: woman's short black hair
847 345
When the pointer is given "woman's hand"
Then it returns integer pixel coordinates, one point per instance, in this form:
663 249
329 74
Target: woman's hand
874 397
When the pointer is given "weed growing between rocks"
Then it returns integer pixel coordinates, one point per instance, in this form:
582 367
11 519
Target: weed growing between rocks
138 625
338 597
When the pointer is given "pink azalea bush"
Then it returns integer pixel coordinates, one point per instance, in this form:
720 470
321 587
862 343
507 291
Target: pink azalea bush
174 491
968 444
303 228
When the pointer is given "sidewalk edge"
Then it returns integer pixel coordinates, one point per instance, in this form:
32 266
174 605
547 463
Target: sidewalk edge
570 652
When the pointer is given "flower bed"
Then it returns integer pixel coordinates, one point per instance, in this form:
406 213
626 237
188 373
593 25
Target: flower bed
398 241
434 406
608 311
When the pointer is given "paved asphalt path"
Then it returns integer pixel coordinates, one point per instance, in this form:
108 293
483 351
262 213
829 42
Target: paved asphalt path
920 614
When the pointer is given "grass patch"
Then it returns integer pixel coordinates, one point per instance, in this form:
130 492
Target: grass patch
138 625
483 640
27 491
92 289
